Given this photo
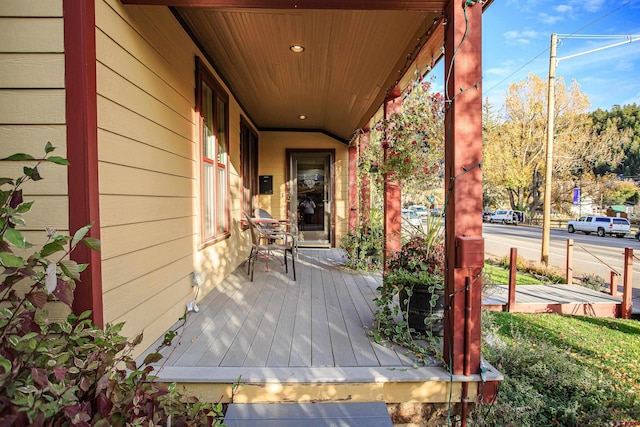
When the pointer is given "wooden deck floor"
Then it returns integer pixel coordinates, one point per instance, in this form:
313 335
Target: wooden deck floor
567 299
314 329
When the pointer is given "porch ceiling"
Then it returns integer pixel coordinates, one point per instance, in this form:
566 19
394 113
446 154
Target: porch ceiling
353 56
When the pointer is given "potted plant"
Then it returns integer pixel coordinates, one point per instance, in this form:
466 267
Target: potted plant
417 271
413 286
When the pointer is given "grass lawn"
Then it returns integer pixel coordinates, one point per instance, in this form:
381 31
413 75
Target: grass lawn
497 275
563 370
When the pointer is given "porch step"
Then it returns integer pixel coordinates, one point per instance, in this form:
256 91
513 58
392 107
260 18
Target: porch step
369 414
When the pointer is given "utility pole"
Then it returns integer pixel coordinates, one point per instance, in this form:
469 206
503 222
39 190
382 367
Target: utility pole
548 173
548 176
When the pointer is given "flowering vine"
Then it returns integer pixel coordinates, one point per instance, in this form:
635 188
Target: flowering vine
413 142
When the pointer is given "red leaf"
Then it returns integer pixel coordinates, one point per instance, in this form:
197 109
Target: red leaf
64 292
85 383
152 358
38 298
104 405
60 372
40 377
16 199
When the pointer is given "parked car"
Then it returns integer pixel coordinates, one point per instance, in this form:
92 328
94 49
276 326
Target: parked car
411 217
422 211
486 216
601 225
638 235
507 216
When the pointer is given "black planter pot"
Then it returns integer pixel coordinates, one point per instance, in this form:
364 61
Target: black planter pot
421 316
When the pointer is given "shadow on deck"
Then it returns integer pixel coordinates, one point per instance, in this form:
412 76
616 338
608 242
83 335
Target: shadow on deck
301 341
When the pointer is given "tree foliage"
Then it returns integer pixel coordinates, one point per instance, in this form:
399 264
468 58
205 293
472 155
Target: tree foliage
515 144
624 121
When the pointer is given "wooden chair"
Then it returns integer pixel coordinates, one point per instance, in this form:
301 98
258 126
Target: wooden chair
266 242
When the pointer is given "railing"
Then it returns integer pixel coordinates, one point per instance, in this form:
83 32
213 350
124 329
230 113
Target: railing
627 277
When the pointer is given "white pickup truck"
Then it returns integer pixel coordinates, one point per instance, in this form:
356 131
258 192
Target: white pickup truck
601 225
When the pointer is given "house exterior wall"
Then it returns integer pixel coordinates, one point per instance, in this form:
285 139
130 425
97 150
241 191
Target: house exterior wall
149 171
273 161
32 107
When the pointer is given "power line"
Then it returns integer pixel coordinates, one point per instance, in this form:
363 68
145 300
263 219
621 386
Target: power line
572 35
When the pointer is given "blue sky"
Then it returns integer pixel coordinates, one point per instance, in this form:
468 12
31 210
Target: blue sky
516 40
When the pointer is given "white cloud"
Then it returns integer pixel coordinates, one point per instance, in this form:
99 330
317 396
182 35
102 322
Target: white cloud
525 37
547 19
563 8
589 5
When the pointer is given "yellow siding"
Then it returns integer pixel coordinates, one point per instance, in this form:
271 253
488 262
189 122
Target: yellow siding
20 8
31 34
273 146
149 171
28 70
32 111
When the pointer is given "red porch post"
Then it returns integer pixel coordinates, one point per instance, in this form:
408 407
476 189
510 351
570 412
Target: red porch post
353 185
365 196
391 193
463 183
82 148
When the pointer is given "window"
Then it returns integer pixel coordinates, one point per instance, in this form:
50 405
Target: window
211 105
249 159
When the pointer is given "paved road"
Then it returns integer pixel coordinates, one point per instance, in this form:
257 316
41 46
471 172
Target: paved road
591 254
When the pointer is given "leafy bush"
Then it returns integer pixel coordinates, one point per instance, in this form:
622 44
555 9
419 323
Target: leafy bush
363 247
594 281
69 372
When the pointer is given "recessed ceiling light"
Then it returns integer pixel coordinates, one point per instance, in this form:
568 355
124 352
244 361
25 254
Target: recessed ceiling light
296 48
302 117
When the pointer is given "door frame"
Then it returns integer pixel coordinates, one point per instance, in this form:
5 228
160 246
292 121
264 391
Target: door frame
289 152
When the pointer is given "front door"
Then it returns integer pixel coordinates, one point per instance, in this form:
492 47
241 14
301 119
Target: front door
311 195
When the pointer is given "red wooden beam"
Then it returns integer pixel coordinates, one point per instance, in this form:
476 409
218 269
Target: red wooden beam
392 194
463 178
627 284
513 268
353 186
365 196
82 148
411 5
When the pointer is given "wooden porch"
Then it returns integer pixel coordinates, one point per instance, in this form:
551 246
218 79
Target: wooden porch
553 298
301 341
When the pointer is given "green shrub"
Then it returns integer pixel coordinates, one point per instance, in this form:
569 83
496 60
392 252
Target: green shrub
363 247
593 281
69 372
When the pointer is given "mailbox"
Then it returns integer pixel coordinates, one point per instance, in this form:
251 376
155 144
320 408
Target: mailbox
266 184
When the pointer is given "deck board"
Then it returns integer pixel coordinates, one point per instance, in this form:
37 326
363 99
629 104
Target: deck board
549 294
321 320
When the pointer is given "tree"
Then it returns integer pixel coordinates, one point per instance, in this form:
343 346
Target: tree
514 153
624 123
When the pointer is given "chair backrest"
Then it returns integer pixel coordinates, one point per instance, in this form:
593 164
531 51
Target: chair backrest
253 228
261 213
